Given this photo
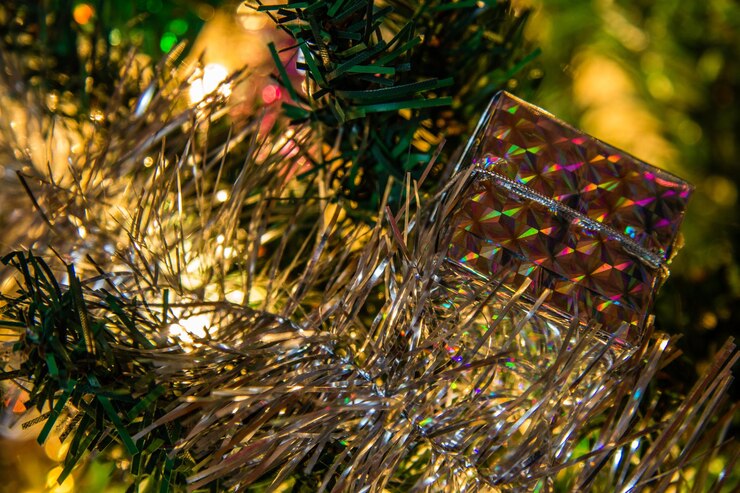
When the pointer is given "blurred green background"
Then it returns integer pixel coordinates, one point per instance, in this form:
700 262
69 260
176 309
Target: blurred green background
657 78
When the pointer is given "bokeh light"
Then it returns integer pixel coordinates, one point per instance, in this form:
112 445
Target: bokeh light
83 13
213 76
178 26
168 41
250 19
54 487
271 93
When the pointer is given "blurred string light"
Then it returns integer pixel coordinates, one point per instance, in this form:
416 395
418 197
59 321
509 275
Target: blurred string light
51 481
211 80
187 330
55 449
205 11
178 26
83 13
271 93
169 39
222 196
114 38
250 19
175 30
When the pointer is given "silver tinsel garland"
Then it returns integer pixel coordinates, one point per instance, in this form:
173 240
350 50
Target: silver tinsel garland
295 343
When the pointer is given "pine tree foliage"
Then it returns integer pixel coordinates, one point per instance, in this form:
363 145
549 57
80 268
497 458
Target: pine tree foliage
389 81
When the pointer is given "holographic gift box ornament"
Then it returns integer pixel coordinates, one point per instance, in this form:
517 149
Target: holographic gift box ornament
588 228
554 245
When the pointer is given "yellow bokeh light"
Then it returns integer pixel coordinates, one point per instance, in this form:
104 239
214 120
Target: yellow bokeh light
54 487
222 195
250 19
211 80
188 329
55 449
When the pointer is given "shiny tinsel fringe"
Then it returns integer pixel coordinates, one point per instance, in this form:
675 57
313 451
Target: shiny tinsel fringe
231 322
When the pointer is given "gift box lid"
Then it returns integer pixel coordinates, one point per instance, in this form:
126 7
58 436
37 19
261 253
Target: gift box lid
593 178
574 217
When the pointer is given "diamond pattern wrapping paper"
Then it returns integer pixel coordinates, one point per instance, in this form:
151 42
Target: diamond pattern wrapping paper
589 227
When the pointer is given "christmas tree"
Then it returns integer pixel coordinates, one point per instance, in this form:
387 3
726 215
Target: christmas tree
217 291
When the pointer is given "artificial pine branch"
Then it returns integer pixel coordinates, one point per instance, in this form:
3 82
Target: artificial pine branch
390 80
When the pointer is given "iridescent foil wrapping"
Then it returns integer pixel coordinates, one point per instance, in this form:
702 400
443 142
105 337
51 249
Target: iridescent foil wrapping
589 227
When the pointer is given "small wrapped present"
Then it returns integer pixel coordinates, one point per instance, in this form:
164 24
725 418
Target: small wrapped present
582 228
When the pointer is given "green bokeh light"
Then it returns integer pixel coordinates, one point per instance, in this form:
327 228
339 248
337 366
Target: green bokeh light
178 26
115 37
168 41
